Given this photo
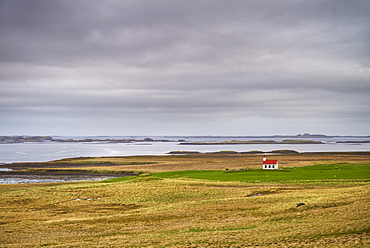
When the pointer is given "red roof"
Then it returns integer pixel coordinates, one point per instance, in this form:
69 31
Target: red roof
270 162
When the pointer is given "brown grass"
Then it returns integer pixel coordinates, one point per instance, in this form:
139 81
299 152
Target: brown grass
152 212
148 212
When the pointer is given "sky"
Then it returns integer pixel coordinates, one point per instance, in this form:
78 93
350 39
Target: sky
171 67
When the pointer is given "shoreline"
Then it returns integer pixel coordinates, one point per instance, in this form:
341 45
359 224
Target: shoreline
52 173
54 176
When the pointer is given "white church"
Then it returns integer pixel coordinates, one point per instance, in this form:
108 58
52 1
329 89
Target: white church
269 164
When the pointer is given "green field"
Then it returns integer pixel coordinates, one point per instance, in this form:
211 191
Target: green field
341 171
315 172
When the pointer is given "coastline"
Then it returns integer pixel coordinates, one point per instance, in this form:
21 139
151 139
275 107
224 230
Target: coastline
52 173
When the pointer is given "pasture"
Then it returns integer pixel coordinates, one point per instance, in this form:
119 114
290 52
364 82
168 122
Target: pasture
200 206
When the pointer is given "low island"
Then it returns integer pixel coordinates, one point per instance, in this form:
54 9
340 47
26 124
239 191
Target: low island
247 142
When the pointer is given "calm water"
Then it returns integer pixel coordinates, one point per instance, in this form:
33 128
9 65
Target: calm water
47 151
11 179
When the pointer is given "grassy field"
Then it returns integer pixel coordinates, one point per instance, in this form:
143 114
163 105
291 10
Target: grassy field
185 204
312 173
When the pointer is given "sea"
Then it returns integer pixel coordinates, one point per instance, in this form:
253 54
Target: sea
51 150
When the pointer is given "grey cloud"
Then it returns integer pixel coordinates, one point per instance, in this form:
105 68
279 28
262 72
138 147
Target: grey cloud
228 60
75 30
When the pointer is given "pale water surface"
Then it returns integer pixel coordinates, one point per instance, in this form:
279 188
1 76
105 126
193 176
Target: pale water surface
11 179
47 151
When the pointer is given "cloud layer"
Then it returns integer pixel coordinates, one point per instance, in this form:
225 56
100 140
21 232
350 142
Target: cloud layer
185 67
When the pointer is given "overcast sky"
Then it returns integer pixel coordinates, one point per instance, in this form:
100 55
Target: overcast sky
171 67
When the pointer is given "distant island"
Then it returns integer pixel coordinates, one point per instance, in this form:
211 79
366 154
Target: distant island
238 142
305 135
255 152
23 139
289 139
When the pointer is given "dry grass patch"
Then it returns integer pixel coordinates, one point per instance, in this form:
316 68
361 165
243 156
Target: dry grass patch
149 212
